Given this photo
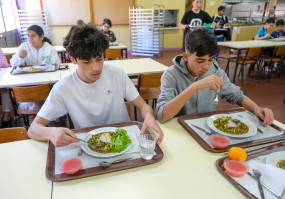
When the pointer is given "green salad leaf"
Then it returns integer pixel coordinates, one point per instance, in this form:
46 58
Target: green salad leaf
119 141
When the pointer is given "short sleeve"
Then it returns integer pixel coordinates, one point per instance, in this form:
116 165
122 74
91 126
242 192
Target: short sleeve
184 18
273 34
129 90
208 19
54 106
260 32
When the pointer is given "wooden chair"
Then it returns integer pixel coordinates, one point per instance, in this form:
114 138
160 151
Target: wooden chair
149 87
8 57
128 107
113 54
13 134
28 101
278 56
251 57
134 78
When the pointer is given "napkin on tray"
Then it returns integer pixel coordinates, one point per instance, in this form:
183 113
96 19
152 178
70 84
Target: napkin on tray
272 176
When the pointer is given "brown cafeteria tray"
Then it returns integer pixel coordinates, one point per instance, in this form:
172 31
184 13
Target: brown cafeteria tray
208 147
50 169
250 155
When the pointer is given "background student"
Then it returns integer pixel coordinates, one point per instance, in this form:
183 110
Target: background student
107 24
195 17
36 51
278 32
221 20
262 32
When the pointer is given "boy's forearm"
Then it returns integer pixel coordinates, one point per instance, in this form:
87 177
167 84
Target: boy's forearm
249 105
172 107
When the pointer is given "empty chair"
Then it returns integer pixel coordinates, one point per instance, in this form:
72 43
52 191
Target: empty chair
113 54
251 57
128 107
13 134
28 100
149 87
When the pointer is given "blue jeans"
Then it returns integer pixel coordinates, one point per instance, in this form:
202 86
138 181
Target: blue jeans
219 39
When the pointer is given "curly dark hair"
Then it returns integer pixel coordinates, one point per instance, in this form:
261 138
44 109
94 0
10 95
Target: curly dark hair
201 41
85 41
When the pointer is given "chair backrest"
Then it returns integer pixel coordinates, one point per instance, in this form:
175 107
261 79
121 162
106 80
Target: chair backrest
8 57
280 51
128 107
253 52
13 134
30 94
149 80
113 53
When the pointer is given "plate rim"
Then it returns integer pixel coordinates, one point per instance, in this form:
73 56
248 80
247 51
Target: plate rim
102 155
249 123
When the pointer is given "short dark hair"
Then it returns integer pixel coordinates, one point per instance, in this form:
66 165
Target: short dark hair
270 20
202 42
85 41
107 21
280 22
220 8
39 31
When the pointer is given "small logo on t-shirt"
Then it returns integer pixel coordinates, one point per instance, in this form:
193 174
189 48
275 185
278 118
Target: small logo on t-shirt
195 22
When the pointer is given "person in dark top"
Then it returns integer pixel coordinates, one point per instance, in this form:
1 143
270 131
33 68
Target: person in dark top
221 21
195 17
107 24
278 32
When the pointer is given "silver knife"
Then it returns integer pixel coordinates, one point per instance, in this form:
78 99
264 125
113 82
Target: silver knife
265 186
201 129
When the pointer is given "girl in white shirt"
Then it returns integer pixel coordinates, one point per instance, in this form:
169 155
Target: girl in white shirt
38 50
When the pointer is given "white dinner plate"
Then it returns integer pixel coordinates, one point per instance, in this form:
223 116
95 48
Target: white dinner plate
93 153
252 128
25 69
273 158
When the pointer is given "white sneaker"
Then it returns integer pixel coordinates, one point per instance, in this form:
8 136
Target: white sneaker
265 68
275 66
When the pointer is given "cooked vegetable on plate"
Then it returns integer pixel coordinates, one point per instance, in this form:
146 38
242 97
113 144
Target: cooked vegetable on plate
113 142
231 126
281 164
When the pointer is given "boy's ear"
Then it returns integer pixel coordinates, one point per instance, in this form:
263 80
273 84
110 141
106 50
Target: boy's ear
185 56
72 60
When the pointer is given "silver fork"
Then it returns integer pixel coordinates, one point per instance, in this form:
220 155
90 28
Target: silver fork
257 174
216 100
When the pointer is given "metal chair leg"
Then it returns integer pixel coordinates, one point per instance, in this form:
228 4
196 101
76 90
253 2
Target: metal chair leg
227 68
